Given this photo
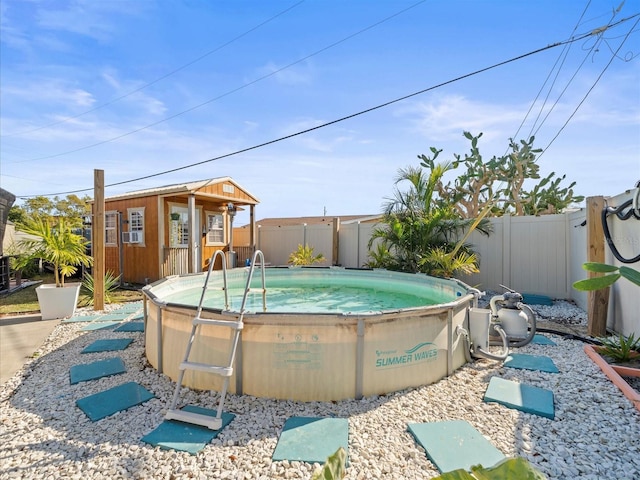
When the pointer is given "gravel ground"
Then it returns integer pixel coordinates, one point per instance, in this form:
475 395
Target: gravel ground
43 435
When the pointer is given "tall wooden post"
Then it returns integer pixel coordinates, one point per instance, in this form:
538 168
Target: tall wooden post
194 237
599 299
335 253
97 240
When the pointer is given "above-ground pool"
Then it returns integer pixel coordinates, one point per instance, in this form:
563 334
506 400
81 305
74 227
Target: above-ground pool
326 333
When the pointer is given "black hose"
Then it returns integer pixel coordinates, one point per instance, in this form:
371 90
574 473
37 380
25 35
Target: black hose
618 212
570 336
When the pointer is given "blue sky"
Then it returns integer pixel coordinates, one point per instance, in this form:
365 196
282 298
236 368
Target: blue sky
136 88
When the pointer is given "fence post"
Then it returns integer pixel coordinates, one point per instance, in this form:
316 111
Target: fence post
599 299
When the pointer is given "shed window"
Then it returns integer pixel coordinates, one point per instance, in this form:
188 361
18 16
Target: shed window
215 228
136 225
111 228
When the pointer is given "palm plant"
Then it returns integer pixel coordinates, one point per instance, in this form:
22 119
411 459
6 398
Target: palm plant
55 244
420 230
304 256
111 284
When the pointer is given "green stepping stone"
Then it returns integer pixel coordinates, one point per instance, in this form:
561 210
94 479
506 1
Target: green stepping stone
122 397
310 439
131 327
455 444
82 318
132 308
532 299
112 317
542 340
186 437
99 326
108 345
95 370
531 362
526 398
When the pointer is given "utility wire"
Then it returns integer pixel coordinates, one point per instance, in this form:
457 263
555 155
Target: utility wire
565 52
153 82
591 50
275 72
613 57
341 119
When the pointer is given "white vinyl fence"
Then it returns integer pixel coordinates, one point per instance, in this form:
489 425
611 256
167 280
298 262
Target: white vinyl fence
537 255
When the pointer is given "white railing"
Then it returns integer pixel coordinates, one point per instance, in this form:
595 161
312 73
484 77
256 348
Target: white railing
175 261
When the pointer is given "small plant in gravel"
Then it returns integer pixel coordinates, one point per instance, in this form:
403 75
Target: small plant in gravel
621 348
111 284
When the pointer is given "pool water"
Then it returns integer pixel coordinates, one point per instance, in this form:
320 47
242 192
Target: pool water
318 293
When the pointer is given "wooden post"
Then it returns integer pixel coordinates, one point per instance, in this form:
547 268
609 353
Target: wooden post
97 240
336 241
599 299
194 236
252 229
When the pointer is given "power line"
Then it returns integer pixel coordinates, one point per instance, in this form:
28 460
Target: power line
371 109
275 72
613 56
153 82
332 122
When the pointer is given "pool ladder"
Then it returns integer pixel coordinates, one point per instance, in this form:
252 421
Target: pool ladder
225 371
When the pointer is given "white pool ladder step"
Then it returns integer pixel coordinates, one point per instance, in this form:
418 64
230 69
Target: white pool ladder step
225 371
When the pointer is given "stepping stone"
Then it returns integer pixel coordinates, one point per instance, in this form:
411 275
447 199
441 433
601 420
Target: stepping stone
122 397
108 345
82 318
526 398
112 317
532 299
311 439
99 326
186 437
531 362
95 370
542 340
129 308
131 327
455 444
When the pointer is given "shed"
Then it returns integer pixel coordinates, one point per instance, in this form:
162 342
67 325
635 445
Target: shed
174 229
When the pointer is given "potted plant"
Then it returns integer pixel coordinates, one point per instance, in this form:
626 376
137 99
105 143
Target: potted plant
56 244
618 356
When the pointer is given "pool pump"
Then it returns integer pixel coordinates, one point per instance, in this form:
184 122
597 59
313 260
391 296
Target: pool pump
508 322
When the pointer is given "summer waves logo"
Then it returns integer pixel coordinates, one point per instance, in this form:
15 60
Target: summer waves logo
422 352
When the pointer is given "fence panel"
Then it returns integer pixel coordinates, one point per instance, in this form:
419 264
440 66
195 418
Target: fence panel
277 243
353 246
528 254
577 244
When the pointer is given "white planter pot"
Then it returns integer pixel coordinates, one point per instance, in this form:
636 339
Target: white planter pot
57 302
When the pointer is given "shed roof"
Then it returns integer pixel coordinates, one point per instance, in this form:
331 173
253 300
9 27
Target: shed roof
182 188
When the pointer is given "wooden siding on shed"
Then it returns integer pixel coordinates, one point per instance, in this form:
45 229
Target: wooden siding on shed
139 260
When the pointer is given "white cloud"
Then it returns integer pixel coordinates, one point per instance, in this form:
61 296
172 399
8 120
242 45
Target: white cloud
95 19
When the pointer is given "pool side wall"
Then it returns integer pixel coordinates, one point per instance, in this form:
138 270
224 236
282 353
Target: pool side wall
313 357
